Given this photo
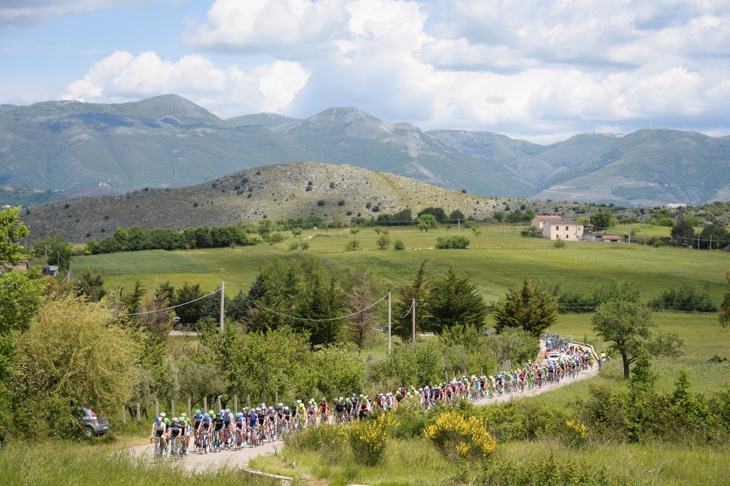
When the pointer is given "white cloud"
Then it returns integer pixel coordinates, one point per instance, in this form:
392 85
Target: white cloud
227 92
26 13
525 67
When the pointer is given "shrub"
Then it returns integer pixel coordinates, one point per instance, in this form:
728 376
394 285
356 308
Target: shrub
276 238
320 202
576 433
461 438
383 242
399 245
352 245
369 438
452 242
688 298
559 243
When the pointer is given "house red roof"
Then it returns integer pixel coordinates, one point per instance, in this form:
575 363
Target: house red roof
611 238
547 218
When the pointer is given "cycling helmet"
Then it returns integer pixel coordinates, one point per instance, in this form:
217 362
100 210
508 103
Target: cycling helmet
228 410
159 419
271 409
263 405
183 415
286 409
298 402
174 419
211 412
163 415
197 412
207 415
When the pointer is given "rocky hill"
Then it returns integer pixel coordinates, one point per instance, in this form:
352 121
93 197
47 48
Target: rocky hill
333 192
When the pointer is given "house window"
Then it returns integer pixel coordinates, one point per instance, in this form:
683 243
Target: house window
557 228
566 228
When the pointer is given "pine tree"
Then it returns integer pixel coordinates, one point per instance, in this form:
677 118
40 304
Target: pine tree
415 289
529 308
453 300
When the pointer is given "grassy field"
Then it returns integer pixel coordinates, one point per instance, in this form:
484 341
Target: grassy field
497 260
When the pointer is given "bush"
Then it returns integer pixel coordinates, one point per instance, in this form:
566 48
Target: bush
452 242
352 245
276 238
559 243
369 438
688 298
383 241
461 438
399 245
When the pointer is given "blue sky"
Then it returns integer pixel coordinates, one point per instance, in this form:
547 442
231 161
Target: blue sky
542 70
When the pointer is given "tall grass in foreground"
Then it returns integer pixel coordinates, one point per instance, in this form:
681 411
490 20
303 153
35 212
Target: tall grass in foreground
59 463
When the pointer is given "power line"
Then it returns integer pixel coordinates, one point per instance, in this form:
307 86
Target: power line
317 320
174 306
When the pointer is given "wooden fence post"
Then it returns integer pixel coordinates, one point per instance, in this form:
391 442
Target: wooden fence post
124 415
277 398
235 402
205 404
172 407
219 403
190 410
248 400
157 408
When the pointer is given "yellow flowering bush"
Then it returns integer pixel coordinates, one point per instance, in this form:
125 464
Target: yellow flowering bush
369 438
576 433
463 438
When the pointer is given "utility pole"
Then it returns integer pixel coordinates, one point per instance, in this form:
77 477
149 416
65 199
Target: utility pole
223 303
70 273
414 320
389 318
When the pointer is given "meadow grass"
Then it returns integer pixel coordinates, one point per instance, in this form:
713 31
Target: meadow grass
498 260
61 463
139 262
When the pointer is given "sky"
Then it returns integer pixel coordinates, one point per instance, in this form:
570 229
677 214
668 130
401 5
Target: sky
541 70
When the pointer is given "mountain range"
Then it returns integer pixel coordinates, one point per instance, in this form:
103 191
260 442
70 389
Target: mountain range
66 149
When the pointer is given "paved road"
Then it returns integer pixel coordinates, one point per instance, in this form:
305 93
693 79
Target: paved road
227 458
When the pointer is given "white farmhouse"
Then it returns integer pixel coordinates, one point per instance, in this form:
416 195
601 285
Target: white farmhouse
554 227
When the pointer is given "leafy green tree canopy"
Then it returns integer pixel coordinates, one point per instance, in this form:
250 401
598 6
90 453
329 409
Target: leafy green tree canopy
427 222
628 326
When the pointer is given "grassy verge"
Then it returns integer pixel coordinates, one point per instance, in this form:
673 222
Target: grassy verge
58 463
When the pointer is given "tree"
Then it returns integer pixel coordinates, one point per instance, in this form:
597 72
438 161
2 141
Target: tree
725 307
438 213
383 241
158 324
498 216
362 289
455 300
456 215
601 220
416 289
89 284
20 292
530 308
75 352
427 222
628 325
662 217
714 236
59 251
684 232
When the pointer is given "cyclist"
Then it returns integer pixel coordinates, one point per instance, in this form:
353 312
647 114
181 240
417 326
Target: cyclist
227 420
158 431
174 432
217 428
323 409
186 426
204 429
239 427
197 418
300 413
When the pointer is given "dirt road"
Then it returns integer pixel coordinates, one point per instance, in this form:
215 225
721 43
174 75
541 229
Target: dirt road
240 459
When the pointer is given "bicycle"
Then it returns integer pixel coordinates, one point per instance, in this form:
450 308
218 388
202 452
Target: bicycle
158 451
